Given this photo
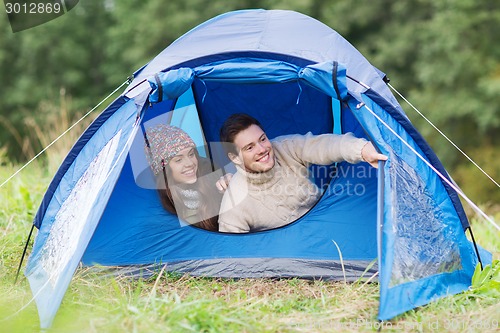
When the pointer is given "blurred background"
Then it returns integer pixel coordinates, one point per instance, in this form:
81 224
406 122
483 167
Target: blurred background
443 55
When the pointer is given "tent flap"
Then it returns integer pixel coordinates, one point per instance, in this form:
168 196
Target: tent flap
74 211
424 251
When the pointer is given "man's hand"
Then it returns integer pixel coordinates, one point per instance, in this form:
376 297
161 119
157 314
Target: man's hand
223 182
372 156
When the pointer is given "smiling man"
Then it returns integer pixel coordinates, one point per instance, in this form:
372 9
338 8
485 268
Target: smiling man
271 187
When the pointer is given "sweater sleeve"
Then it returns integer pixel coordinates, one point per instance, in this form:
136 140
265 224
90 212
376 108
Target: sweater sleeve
321 149
232 214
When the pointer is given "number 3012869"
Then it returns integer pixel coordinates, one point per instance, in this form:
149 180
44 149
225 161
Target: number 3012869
33 8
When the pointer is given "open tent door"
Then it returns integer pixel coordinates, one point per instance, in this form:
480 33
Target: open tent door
424 253
74 203
144 233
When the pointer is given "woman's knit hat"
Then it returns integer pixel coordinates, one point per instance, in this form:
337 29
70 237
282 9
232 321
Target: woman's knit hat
163 142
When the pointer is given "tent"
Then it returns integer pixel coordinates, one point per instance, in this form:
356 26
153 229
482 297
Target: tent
296 75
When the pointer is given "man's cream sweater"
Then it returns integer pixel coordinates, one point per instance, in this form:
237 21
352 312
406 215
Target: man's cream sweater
267 200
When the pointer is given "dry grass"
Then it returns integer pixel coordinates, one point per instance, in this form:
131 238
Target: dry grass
33 136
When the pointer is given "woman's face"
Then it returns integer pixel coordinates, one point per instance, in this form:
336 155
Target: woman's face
184 166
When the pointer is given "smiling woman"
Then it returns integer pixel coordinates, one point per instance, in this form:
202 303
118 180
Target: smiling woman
186 185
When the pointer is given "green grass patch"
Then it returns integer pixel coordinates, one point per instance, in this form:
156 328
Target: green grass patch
170 302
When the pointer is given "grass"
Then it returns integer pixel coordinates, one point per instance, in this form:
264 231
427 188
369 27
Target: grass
177 303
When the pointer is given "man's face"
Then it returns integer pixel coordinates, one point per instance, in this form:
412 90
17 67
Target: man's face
255 152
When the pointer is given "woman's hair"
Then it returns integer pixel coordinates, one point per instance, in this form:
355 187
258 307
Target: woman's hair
209 196
233 125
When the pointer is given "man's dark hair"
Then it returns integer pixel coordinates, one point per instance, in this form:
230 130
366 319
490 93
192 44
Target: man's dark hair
233 125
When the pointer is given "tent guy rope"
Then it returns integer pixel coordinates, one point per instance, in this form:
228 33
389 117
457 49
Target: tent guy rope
445 179
63 134
444 135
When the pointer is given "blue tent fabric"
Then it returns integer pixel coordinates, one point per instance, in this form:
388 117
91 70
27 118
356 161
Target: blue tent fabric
174 83
426 150
279 32
431 257
75 208
296 75
103 117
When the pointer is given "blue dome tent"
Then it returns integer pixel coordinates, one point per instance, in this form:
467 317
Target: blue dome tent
296 75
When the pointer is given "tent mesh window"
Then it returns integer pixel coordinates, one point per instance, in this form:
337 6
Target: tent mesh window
420 249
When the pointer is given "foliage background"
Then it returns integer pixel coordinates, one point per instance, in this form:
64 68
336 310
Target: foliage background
441 54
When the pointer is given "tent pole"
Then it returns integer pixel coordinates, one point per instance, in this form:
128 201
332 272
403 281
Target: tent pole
24 252
475 247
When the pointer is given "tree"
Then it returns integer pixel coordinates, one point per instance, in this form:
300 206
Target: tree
441 54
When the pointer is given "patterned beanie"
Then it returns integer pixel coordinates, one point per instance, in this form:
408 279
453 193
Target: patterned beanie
165 142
